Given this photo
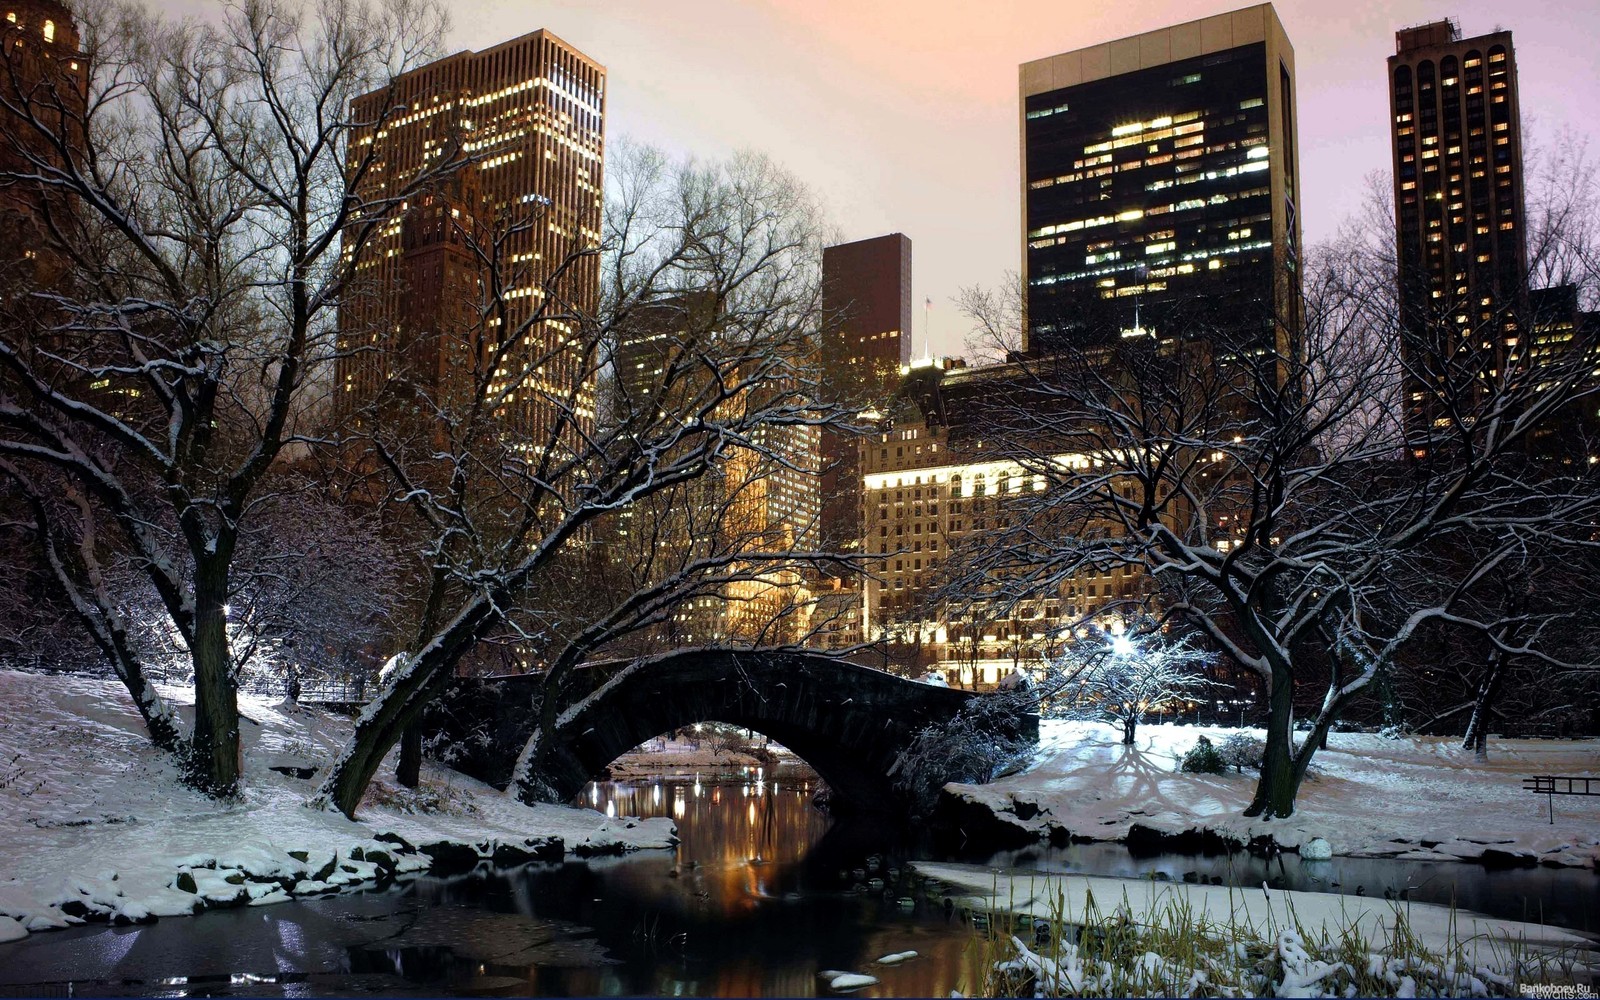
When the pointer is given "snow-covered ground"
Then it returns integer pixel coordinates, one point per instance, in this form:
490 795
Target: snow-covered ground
1418 797
1144 938
1260 912
94 821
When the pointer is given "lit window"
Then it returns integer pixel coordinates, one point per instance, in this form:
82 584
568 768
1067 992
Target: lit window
49 31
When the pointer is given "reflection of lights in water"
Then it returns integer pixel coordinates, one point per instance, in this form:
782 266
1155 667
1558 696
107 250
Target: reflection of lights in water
611 809
677 807
594 794
655 793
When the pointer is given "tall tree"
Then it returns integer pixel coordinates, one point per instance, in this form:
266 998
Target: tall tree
1275 498
208 208
700 352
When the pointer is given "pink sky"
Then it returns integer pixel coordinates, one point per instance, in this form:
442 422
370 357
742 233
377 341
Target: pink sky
901 114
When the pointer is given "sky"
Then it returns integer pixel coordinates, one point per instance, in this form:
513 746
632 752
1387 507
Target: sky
901 115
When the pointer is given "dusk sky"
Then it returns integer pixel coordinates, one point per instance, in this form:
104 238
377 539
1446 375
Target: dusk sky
902 114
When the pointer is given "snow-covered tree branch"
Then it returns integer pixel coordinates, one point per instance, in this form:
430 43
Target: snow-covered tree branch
194 189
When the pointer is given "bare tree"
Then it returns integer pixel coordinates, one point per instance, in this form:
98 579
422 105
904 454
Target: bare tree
1128 675
700 350
1268 489
195 181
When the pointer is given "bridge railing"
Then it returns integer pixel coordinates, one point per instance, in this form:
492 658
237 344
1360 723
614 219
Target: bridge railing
348 692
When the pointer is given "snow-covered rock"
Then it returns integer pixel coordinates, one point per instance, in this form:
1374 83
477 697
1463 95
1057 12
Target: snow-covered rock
1316 849
106 829
844 982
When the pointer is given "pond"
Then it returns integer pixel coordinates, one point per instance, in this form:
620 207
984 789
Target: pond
762 893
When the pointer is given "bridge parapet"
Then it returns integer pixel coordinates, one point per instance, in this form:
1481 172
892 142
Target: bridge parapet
847 721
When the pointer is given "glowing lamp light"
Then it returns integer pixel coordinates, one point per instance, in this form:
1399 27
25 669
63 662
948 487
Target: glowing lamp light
1121 645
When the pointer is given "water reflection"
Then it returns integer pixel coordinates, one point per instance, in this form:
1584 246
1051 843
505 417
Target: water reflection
761 893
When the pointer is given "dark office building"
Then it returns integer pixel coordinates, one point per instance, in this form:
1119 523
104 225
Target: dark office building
866 339
1160 184
1458 195
866 305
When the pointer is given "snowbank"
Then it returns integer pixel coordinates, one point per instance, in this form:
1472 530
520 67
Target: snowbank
94 824
1416 798
1261 911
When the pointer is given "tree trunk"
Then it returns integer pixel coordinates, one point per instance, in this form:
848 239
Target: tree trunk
215 756
1477 735
409 771
1276 787
398 706
1128 725
526 776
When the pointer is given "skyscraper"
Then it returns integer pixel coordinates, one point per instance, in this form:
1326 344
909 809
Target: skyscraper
1160 183
866 340
672 361
529 113
1458 195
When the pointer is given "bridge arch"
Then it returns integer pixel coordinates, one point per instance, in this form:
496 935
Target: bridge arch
847 721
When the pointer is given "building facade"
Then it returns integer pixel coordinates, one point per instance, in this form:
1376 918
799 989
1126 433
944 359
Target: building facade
757 500
1160 185
934 484
866 340
527 118
44 73
1461 244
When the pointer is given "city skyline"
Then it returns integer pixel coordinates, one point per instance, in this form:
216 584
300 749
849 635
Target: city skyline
933 151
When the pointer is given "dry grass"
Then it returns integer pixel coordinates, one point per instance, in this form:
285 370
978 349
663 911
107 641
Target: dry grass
1101 952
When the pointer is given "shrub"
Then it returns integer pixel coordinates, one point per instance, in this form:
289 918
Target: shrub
1241 750
1203 759
982 742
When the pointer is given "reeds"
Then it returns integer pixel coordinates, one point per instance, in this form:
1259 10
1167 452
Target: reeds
1178 950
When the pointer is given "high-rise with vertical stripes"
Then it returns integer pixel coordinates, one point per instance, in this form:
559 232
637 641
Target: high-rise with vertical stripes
1459 217
527 118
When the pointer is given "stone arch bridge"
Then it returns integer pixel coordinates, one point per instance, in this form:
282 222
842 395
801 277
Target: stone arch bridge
847 721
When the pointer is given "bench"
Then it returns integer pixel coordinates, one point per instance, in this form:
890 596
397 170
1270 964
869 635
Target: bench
1551 785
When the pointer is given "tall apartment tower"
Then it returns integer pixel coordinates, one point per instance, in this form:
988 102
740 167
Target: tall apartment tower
1160 183
530 113
866 340
1458 190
